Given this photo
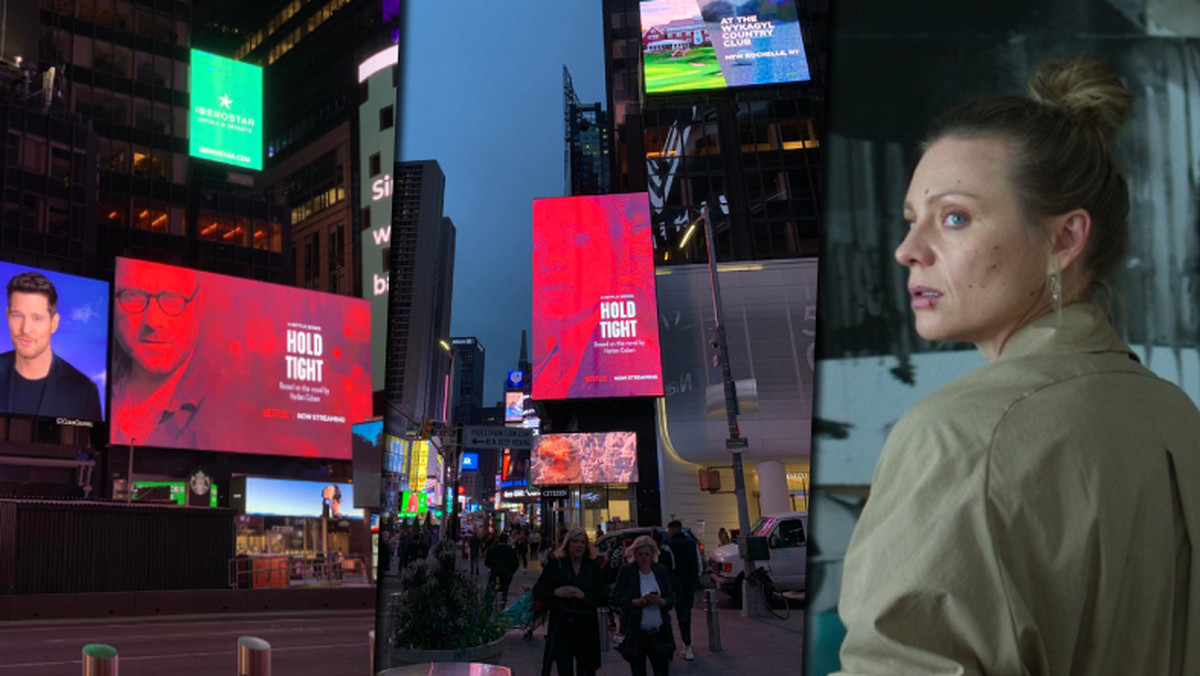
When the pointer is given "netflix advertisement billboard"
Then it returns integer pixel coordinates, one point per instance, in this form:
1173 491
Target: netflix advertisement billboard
595 317
209 362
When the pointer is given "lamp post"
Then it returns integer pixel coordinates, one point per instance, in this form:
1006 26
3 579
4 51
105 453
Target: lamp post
736 440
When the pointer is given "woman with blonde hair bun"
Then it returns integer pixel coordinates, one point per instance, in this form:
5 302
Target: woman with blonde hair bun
1037 515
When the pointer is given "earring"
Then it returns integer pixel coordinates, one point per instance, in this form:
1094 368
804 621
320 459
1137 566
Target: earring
1056 290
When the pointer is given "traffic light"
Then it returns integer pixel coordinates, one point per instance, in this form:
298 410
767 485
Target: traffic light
426 429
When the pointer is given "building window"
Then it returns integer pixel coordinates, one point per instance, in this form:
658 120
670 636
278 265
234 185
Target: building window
376 167
387 118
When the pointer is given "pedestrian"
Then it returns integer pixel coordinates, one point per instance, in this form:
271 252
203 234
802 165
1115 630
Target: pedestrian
385 553
685 574
571 589
644 594
523 547
535 543
502 564
599 533
1033 516
723 536
474 543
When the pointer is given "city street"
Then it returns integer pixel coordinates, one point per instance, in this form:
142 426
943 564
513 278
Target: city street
758 647
310 643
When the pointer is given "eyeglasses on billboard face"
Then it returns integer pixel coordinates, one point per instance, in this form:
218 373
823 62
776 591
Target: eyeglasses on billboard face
171 303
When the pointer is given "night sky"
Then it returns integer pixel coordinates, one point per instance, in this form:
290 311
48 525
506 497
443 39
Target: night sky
483 96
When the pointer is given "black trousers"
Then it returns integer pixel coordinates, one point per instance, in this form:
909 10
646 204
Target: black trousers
683 612
659 662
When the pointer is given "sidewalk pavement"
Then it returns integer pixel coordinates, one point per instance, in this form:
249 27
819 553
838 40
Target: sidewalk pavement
751 646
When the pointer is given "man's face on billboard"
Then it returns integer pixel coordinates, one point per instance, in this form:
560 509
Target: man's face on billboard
30 323
157 315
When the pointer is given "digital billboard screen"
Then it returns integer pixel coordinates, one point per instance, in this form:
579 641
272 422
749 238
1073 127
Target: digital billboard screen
470 461
290 497
712 44
367 443
58 330
595 317
173 491
412 503
208 362
225 121
514 406
584 458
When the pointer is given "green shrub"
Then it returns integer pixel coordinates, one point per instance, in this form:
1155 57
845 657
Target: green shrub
442 608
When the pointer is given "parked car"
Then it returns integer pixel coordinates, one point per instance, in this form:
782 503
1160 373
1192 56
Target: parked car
787 546
611 540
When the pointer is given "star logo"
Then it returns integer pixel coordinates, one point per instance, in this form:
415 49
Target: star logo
226 101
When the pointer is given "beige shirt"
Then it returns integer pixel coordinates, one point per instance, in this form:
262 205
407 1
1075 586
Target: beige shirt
1034 517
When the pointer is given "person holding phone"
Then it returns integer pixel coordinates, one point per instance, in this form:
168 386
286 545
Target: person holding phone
643 592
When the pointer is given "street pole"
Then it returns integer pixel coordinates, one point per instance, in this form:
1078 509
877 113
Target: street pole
458 444
129 474
735 440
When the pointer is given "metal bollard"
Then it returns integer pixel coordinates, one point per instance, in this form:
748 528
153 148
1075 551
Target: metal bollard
99 660
605 637
714 620
253 657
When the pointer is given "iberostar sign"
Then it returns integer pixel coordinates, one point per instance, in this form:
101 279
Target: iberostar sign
226 115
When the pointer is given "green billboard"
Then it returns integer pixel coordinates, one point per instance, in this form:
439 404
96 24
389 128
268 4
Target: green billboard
225 121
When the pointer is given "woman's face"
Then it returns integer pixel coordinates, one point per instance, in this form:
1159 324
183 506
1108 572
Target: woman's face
644 557
576 547
976 272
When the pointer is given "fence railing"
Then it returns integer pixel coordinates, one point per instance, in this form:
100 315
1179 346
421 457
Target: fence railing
280 570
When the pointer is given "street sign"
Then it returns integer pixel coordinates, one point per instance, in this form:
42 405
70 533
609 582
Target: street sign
515 438
740 442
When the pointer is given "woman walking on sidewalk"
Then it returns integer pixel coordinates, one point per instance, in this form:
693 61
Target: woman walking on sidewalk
643 591
572 588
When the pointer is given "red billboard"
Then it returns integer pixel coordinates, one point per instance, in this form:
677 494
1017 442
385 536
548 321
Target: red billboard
583 458
208 362
595 318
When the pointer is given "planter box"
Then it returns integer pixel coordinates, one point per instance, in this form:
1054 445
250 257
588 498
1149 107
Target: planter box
487 654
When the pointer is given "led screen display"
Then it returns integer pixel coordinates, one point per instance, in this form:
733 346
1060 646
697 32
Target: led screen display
58 338
514 406
208 362
712 44
470 461
395 453
225 121
288 497
412 503
368 459
584 458
172 491
595 327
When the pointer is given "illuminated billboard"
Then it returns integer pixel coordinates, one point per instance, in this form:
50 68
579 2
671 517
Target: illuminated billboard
172 491
376 160
470 461
208 362
58 330
289 497
595 326
712 44
412 503
584 458
225 121
367 444
514 406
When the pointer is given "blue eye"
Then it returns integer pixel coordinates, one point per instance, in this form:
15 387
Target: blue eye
955 219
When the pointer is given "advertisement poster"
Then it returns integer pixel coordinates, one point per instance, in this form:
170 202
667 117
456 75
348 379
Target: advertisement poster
514 406
712 44
288 497
595 317
225 122
209 362
55 364
584 458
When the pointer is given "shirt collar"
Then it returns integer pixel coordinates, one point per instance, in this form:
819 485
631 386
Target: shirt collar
1080 327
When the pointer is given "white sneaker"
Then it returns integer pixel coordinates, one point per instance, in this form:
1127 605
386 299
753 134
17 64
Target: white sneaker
688 654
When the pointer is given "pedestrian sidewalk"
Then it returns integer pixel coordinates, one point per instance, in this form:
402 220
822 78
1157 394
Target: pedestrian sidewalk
750 646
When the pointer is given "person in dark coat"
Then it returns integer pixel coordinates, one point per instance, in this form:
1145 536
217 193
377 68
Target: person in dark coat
685 574
644 594
502 564
474 543
572 588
